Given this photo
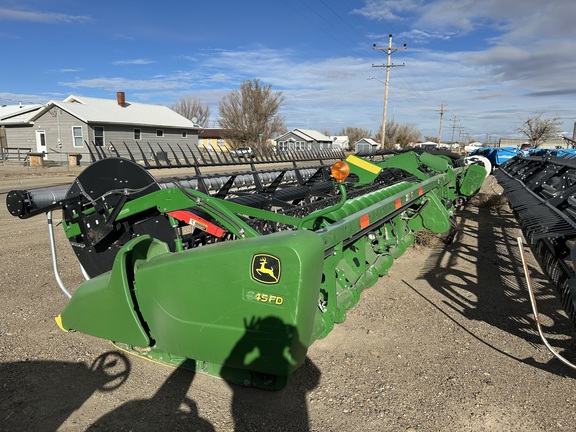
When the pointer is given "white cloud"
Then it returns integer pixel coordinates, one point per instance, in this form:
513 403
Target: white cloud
126 83
69 70
388 10
423 37
41 17
133 62
525 65
15 98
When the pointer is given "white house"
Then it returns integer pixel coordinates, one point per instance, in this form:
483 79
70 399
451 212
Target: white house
340 142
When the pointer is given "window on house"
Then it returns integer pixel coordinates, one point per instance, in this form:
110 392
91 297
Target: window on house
184 134
137 134
159 132
99 136
77 139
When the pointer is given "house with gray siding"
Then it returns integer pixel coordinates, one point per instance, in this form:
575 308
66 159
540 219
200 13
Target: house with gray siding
303 140
16 116
59 129
366 146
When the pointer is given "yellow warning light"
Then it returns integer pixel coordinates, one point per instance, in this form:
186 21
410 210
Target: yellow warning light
340 170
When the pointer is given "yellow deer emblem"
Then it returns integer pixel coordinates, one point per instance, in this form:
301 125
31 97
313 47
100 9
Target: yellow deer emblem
266 269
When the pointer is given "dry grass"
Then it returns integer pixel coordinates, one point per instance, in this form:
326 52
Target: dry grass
489 200
426 239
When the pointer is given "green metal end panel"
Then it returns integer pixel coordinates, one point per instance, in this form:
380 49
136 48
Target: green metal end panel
472 180
104 307
365 171
433 216
435 162
407 161
247 304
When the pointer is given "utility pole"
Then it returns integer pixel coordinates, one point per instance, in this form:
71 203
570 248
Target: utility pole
388 65
454 120
441 115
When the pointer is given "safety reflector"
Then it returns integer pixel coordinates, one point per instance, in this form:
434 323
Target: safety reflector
364 221
197 222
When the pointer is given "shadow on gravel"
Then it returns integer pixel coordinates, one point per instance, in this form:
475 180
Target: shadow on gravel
257 410
264 347
41 395
495 292
170 409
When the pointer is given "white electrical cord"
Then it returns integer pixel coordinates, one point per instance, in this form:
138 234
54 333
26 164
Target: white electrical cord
535 309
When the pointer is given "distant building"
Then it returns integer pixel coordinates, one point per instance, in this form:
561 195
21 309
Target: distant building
517 142
9 112
58 129
427 145
15 115
340 142
366 146
303 140
212 138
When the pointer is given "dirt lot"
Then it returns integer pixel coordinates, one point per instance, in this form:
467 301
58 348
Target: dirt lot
446 341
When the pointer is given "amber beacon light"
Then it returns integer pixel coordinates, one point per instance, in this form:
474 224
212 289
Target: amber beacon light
340 170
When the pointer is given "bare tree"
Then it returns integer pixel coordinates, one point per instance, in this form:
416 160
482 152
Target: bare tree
538 129
249 115
397 133
355 134
192 107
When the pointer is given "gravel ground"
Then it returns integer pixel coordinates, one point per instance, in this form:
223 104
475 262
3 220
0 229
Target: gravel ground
446 341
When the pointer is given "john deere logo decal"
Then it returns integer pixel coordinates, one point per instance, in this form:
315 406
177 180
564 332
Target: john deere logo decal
266 268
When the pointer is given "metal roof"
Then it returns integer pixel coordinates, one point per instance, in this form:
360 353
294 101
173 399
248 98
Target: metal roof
315 135
14 114
306 134
367 141
108 111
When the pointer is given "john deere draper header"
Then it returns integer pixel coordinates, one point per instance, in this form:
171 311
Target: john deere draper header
241 272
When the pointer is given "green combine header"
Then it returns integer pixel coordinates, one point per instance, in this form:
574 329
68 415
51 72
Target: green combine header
241 272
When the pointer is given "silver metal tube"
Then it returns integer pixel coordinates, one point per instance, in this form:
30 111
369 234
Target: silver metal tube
53 252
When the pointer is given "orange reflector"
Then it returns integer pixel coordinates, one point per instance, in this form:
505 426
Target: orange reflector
398 203
364 221
420 191
197 222
340 170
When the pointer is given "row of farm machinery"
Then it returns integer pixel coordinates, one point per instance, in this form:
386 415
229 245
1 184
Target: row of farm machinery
238 272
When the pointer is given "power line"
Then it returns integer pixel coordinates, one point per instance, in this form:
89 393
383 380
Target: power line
442 111
389 51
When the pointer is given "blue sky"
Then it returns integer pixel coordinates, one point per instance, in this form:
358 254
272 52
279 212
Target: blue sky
491 63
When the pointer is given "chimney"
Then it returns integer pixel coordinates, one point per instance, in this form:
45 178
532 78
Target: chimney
121 99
